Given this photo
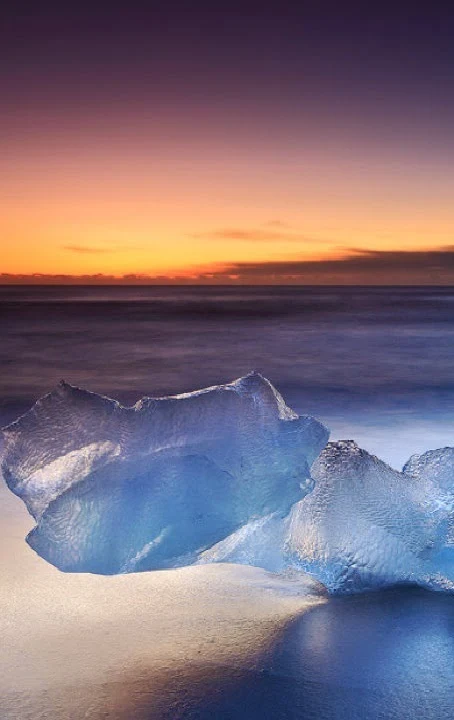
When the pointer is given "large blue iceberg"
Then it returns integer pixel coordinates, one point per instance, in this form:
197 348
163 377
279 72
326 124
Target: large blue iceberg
225 474
117 489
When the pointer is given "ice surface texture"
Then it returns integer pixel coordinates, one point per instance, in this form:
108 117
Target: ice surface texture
117 489
364 526
223 475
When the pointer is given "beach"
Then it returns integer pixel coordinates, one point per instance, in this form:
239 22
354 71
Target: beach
140 645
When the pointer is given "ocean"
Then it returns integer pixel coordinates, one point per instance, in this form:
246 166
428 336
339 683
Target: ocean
374 364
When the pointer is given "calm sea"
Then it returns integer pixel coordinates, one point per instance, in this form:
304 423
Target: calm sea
374 364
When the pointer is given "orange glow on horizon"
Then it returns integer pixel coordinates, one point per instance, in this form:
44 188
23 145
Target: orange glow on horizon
179 209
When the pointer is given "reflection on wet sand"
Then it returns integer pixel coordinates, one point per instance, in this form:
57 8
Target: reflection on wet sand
382 656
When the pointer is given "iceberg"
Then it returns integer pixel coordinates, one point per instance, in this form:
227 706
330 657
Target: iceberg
438 467
118 489
367 526
225 474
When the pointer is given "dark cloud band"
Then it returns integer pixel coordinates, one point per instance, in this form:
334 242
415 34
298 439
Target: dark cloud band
356 267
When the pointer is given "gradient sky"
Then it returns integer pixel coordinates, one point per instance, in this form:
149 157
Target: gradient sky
227 142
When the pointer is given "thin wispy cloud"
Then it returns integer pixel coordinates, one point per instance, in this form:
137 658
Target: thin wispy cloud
256 235
278 224
90 250
85 249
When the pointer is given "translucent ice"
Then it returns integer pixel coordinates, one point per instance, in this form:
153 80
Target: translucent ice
117 489
364 526
367 525
224 475
438 466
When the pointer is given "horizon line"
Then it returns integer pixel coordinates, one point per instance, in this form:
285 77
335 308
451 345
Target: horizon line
229 285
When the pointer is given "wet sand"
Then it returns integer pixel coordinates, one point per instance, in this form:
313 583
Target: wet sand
149 645
378 656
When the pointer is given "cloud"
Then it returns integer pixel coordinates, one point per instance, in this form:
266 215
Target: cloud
85 250
256 234
89 250
277 223
355 266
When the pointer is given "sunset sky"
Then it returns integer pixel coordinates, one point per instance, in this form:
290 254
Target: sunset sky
227 142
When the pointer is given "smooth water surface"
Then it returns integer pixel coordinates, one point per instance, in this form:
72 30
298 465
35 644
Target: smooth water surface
374 364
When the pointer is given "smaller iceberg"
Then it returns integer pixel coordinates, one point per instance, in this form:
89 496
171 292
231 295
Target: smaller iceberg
367 526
